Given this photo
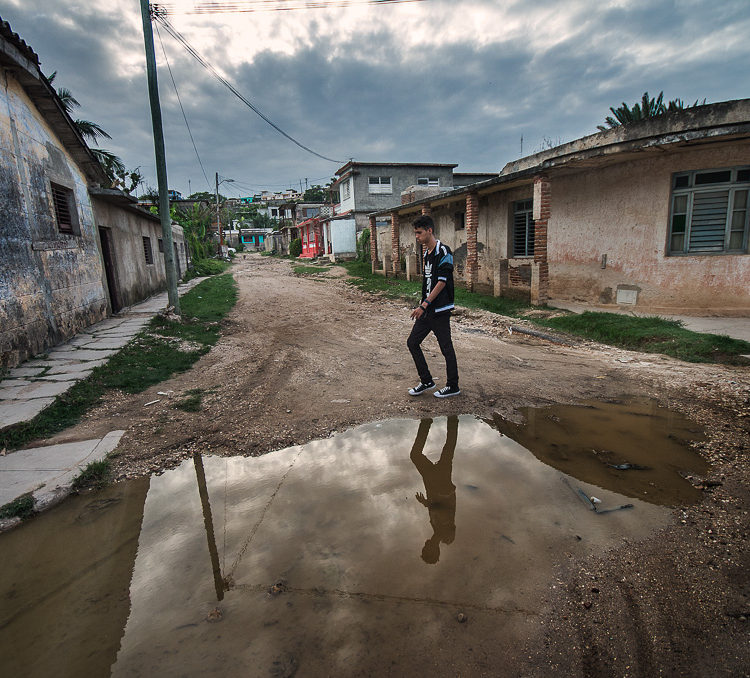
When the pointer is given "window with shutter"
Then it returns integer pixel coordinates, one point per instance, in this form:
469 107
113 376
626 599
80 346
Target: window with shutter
63 201
523 229
147 252
709 212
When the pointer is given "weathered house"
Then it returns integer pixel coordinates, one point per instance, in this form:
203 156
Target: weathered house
55 278
652 215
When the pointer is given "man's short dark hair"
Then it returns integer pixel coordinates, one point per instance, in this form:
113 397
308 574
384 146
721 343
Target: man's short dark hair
425 222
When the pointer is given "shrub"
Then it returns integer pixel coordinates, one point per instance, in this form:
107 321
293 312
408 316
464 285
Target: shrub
363 246
295 247
210 266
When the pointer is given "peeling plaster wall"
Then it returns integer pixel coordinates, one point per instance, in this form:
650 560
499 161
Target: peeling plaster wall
50 282
135 279
623 211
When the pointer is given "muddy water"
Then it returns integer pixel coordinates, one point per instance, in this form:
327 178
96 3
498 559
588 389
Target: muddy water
351 555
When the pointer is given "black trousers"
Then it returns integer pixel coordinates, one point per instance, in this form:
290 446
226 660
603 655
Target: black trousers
440 326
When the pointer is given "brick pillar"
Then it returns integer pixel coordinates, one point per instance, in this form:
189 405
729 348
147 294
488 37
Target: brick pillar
542 212
422 249
472 222
395 253
373 244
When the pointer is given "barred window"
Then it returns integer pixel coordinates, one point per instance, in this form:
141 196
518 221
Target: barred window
149 255
523 228
709 211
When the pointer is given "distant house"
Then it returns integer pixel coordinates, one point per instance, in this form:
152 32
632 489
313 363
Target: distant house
366 187
653 215
71 250
254 239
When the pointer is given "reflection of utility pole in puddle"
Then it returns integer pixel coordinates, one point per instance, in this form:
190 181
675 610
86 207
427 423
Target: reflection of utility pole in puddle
209 523
439 488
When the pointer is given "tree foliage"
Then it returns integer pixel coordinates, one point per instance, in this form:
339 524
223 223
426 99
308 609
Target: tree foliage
205 196
295 247
121 177
315 194
196 225
648 107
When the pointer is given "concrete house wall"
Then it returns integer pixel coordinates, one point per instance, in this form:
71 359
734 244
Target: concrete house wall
133 278
623 211
50 282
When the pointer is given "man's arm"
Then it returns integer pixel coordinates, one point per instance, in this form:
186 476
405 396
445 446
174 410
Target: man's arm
420 310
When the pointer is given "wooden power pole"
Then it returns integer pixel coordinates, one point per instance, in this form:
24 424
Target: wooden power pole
161 160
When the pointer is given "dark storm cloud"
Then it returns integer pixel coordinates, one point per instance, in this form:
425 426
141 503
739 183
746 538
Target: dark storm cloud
372 94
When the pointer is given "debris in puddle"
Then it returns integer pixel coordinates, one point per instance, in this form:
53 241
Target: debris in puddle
215 615
462 618
629 467
278 588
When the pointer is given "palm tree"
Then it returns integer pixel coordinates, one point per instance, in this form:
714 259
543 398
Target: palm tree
648 108
91 131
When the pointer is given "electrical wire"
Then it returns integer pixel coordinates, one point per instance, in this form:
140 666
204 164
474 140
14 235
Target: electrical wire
174 84
207 65
268 6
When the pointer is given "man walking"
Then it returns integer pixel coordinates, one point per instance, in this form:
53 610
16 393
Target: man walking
434 312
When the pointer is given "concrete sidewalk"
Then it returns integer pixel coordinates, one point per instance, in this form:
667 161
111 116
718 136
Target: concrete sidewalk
737 328
47 472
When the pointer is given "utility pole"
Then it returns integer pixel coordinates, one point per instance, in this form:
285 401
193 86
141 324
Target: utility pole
218 219
161 160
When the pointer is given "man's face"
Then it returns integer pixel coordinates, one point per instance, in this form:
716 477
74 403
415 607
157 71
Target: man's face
423 235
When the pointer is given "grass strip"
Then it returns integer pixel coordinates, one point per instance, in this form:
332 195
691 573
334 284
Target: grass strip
310 270
163 348
652 335
648 334
96 475
21 507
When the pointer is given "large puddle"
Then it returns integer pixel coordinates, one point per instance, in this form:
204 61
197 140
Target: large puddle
346 556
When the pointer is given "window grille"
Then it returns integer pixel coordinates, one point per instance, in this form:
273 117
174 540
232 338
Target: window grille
523 228
161 245
346 190
64 204
709 211
428 181
149 255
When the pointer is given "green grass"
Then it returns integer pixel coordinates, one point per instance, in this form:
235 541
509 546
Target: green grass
96 475
164 348
652 335
310 270
21 507
204 267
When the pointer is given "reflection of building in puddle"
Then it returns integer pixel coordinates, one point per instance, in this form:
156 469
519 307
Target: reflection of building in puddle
440 491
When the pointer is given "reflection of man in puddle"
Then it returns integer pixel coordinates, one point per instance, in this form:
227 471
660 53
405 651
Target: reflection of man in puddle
439 488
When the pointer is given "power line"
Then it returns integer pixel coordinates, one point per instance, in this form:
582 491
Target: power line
203 62
269 5
174 84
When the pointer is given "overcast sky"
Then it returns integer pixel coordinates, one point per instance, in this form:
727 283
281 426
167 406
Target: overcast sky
432 81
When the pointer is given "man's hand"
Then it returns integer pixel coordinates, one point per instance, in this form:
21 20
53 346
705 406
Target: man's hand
418 312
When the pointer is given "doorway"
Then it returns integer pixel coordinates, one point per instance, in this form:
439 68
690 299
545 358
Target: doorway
105 236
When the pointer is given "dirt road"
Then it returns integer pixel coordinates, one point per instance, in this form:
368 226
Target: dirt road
303 357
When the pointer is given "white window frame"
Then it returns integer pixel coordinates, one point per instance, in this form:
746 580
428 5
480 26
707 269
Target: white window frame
428 181
690 193
379 185
346 190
